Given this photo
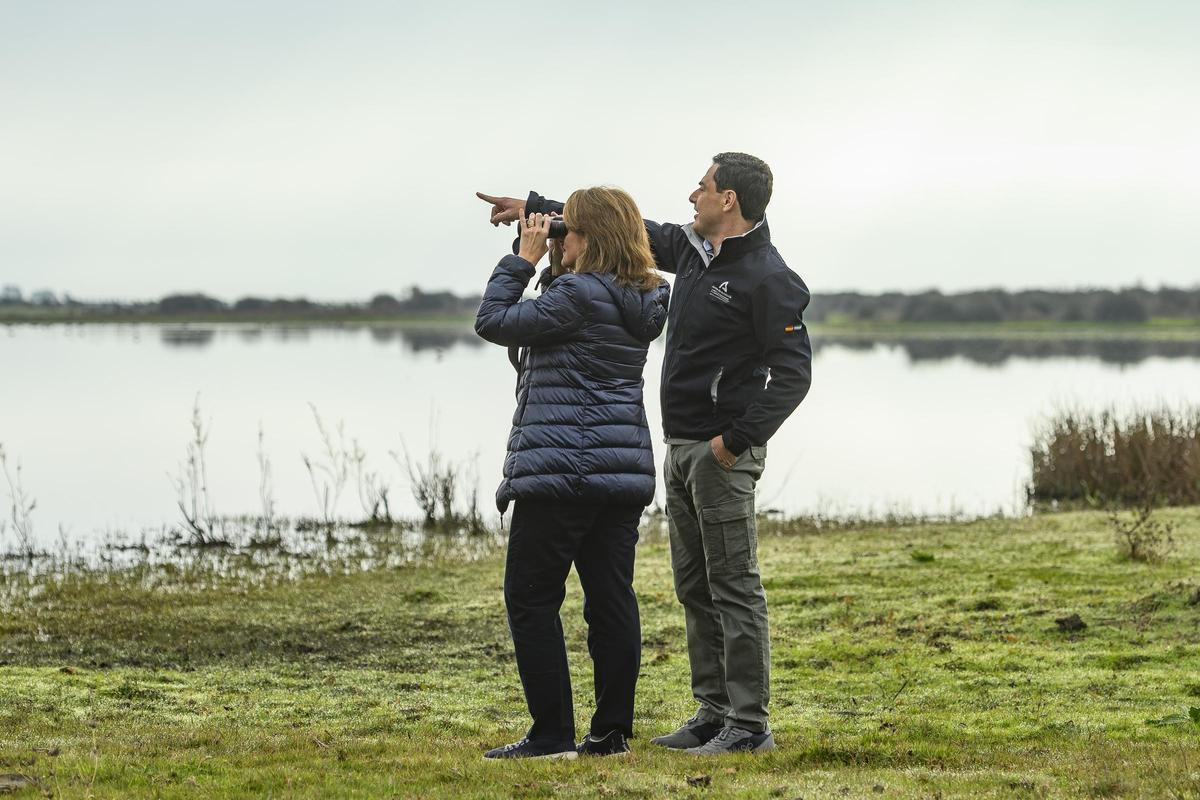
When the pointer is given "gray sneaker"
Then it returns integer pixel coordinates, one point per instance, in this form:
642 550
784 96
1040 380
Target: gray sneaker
735 740
692 733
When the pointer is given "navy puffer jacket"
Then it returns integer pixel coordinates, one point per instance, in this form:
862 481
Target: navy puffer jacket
580 430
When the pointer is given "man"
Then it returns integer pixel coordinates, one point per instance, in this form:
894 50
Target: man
738 361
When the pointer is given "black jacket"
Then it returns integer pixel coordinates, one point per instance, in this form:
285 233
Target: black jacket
738 358
580 430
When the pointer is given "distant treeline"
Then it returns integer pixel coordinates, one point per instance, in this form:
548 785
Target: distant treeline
993 305
998 305
417 302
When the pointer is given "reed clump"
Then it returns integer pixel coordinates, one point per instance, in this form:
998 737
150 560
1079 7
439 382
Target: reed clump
1144 457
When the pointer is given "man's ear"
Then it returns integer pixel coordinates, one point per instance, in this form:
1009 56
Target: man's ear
729 200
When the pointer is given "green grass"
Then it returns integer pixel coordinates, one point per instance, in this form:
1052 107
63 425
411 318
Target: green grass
919 661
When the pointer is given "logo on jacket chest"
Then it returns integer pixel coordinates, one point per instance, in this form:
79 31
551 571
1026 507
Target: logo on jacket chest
720 292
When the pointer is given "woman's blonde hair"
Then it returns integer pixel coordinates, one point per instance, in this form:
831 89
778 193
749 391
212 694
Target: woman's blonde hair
616 236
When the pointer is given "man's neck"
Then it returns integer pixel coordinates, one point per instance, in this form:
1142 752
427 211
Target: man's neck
734 227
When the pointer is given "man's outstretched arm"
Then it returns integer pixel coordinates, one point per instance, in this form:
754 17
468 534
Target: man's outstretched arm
668 242
507 210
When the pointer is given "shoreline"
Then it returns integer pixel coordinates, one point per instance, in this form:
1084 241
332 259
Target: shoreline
1155 330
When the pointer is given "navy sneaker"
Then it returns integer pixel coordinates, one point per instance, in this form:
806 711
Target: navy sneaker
692 733
735 740
534 748
611 744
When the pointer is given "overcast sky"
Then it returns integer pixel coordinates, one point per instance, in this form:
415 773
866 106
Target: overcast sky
332 149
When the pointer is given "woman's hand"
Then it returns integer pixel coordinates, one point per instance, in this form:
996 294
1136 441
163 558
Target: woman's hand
556 254
534 232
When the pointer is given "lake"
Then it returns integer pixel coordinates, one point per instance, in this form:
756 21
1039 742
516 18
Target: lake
99 416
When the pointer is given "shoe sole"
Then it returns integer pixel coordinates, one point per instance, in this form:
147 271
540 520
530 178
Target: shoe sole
660 743
765 746
565 756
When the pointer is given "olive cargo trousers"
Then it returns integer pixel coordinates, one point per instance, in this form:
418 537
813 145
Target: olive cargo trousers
714 557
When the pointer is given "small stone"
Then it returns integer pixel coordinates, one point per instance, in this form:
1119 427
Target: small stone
1070 624
699 780
12 782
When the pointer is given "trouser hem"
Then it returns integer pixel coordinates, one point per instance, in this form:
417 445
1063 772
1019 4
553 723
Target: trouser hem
753 727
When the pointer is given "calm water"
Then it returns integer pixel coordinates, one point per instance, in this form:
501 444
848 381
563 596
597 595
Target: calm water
99 416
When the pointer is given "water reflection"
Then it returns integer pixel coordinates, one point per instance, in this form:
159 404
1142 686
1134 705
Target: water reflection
250 335
412 339
996 352
418 339
977 350
187 337
914 424
250 552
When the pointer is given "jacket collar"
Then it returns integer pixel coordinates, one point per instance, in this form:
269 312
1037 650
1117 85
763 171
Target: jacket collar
756 237
735 246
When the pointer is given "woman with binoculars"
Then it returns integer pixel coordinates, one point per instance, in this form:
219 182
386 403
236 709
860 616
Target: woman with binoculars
579 468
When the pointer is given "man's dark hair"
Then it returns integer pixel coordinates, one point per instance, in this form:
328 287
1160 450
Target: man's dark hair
749 177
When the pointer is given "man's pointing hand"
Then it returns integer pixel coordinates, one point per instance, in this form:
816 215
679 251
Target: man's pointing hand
505 210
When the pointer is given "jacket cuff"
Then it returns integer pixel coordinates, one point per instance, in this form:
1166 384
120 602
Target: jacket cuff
537 204
518 266
735 442
545 279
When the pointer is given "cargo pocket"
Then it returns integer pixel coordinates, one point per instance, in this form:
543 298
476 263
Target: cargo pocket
730 541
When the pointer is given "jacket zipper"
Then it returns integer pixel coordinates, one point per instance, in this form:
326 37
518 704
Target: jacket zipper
691 289
712 389
684 307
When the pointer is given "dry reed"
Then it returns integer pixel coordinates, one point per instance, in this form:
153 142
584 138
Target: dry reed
1107 458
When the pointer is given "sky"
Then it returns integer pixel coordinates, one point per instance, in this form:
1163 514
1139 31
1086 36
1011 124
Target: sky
333 150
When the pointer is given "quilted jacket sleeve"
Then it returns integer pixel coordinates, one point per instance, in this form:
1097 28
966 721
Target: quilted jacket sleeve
503 318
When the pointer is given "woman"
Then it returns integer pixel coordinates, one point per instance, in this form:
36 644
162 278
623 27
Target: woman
579 468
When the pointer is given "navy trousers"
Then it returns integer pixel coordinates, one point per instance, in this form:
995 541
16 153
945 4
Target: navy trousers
544 540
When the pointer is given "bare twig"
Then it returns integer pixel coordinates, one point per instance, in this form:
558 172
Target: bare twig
266 492
191 484
21 506
435 486
329 476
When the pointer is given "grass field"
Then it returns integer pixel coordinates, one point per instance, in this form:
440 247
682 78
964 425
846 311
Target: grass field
920 661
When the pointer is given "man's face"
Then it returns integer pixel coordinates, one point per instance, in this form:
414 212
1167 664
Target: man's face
709 204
